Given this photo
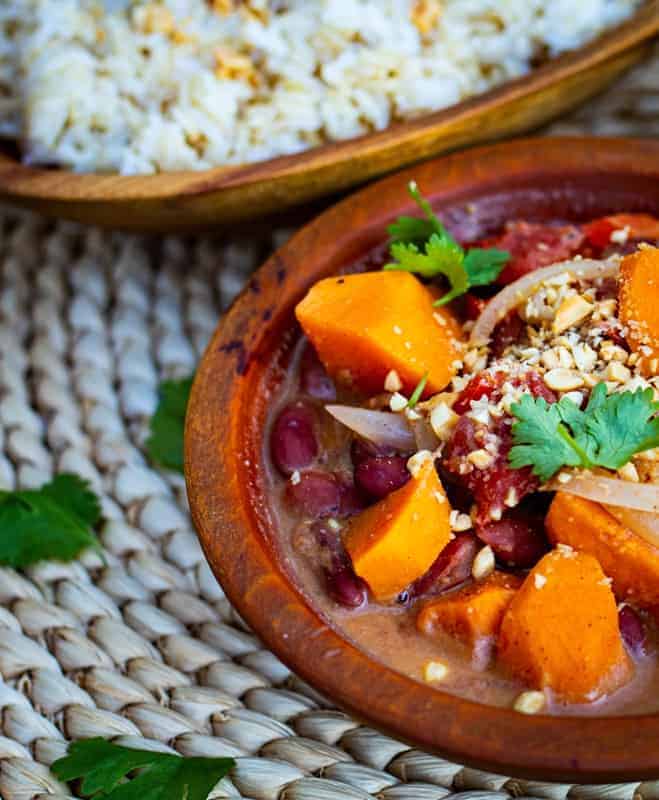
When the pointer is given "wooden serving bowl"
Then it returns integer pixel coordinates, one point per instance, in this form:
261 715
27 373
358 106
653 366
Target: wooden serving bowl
178 201
238 378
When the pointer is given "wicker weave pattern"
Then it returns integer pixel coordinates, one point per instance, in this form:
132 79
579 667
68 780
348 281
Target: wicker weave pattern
146 647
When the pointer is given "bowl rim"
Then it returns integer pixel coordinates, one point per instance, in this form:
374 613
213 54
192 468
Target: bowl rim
222 452
18 180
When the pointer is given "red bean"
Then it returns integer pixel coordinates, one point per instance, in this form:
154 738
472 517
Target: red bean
378 476
632 630
343 585
353 499
518 539
451 567
293 441
314 380
316 494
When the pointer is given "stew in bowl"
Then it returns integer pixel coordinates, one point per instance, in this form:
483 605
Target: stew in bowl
426 476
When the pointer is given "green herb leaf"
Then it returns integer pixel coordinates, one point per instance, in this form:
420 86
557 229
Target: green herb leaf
426 248
536 438
484 266
105 768
607 433
165 443
53 522
418 391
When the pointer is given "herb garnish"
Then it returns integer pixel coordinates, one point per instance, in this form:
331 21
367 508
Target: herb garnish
165 442
426 248
418 391
104 768
53 522
607 433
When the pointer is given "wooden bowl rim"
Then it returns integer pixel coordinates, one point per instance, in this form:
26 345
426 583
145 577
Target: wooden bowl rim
222 482
23 181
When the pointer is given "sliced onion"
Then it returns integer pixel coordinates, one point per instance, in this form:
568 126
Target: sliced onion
642 523
516 292
424 436
610 491
380 427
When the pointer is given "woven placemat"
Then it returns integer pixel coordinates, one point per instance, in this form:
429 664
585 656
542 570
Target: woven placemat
145 648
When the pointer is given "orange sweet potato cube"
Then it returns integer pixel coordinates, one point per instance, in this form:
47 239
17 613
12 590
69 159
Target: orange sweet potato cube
395 541
472 613
362 326
560 631
630 561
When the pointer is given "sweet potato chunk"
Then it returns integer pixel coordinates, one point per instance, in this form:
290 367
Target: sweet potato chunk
629 560
638 306
395 541
561 630
472 613
363 326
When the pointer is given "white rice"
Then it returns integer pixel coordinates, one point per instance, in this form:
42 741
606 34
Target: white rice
142 87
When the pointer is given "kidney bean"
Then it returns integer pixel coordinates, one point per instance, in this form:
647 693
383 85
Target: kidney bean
518 539
343 585
353 499
632 630
313 378
316 494
293 441
378 476
451 567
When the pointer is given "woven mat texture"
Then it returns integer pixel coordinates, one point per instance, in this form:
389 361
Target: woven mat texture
145 648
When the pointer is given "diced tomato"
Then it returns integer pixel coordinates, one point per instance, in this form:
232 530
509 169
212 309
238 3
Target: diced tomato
474 306
496 486
598 232
493 487
642 227
489 384
532 245
506 333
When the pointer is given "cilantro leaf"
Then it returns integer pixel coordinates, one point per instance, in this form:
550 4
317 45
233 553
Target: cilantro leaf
625 424
426 248
53 522
165 442
484 265
411 230
75 494
607 433
536 441
105 768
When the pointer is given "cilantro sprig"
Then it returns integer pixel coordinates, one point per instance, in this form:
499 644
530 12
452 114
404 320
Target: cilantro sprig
165 443
53 522
426 248
105 770
607 433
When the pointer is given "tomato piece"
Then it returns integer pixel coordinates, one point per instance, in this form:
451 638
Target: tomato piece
533 245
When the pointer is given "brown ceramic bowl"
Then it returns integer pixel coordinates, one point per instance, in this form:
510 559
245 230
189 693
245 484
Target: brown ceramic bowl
239 374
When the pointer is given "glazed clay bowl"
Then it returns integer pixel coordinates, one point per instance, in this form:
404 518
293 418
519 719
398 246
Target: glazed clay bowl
475 191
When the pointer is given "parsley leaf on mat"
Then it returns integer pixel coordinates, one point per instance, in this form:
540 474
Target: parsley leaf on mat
165 442
53 522
607 433
104 768
426 248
